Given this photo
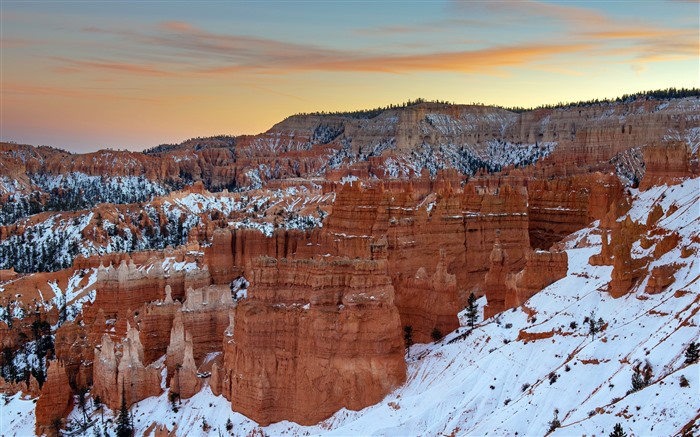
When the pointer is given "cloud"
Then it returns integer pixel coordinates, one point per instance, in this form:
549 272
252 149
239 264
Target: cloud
426 27
82 93
181 49
472 61
193 51
76 66
11 43
527 10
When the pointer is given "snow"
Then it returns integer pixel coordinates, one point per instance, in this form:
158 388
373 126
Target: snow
75 294
17 415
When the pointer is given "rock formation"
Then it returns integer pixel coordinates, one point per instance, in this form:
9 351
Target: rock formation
184 381
56 398
542 268
313 336
121 370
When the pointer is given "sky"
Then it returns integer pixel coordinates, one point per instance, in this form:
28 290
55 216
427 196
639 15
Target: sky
86 75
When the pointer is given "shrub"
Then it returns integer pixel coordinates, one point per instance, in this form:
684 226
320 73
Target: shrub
554 423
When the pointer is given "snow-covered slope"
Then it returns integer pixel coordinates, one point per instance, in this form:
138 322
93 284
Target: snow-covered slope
517 371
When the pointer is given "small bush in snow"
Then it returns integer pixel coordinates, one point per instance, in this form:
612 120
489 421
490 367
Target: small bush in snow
554 423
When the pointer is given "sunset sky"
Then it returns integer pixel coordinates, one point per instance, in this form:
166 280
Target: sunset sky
123 74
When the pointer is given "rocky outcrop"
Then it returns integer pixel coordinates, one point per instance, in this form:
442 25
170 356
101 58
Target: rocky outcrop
119 369
313 337
156 324
661 277
56 398
205 317
542 268
495 287
30 387
185 381
129 287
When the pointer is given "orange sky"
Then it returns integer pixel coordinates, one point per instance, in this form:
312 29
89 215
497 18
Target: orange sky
85 76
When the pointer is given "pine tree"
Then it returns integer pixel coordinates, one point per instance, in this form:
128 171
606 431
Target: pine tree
618 431
408 338
472 310
692 353
124 426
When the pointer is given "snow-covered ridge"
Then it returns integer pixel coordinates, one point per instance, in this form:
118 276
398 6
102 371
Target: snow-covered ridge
73 191
53 243
102 189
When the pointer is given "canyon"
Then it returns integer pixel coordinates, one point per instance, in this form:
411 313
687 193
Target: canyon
305 274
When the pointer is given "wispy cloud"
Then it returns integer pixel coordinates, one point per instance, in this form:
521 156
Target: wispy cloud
424 27
193 51
11 43
83 93
181 49
473 61
74 65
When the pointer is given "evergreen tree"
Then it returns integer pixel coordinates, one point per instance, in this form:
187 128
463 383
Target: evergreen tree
125 427
408 338
618 431
9 371
594 326
641 377
472 310
692 353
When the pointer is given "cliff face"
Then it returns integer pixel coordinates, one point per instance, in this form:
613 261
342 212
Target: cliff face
128 287
666 163
562 206
313 337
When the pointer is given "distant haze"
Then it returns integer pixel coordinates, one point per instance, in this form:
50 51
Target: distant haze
90 75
